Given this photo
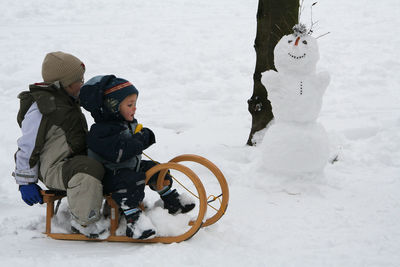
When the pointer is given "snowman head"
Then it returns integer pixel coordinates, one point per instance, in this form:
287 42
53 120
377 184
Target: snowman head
296 53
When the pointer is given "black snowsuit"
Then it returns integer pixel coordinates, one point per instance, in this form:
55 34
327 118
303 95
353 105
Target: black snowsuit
112 141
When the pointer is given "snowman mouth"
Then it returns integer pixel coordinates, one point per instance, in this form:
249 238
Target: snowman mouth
297 57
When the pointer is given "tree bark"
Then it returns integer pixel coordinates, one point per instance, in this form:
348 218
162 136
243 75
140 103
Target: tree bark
275 18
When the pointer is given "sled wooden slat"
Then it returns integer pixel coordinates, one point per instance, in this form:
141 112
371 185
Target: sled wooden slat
114 215
80 237
72 237
49 196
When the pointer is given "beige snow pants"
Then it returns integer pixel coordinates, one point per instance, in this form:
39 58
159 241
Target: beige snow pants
81 177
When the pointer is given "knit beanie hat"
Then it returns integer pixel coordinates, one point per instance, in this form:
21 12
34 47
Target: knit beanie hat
63 67
116 90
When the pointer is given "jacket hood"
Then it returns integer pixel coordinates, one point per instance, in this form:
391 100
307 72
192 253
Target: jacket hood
92 98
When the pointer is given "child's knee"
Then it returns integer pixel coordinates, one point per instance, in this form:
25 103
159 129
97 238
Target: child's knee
128 199
167 182
85 197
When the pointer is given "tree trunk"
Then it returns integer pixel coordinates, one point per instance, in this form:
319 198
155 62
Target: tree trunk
275 18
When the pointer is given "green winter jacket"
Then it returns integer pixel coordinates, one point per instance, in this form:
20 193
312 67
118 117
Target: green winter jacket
63 128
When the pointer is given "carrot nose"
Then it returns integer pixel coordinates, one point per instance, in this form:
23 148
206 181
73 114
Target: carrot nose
297 41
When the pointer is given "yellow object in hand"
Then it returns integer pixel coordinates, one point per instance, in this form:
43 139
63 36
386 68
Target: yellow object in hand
139 127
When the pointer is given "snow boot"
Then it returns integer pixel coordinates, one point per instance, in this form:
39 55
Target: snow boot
175 202
139 226
93 230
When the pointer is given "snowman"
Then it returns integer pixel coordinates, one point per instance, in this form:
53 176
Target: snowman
295 143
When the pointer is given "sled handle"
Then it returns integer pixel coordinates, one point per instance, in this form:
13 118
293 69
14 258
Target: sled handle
202 199
220 177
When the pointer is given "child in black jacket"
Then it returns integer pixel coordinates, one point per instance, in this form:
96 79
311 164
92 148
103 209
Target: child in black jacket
117 140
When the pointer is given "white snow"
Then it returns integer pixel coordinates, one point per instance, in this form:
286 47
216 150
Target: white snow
192 62
294 148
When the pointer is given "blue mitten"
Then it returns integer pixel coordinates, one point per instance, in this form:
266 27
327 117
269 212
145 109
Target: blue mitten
31 194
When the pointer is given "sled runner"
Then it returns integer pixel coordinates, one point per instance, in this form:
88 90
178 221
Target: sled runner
50 196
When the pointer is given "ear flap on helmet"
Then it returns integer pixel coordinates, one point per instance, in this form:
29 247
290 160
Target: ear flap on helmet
92 95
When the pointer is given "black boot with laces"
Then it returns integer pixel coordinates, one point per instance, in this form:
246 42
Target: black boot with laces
174 203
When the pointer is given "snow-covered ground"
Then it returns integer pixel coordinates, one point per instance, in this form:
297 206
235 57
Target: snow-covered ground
192 62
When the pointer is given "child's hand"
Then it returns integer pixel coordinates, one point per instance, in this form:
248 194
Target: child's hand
148 137
138 128
146 134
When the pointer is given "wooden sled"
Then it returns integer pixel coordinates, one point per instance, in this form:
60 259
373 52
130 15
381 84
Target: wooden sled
50 196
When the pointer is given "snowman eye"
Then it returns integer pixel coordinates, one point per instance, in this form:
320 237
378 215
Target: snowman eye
290 41
305 42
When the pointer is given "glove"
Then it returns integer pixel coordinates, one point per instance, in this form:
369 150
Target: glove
148 137
30 193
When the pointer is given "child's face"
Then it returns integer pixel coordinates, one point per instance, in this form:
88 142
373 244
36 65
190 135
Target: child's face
127 107
74 88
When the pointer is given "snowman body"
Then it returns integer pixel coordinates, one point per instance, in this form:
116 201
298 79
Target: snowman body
295 142
296 98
